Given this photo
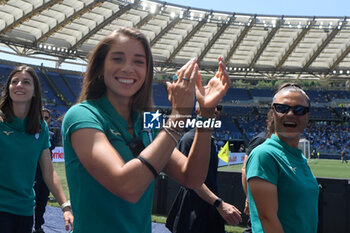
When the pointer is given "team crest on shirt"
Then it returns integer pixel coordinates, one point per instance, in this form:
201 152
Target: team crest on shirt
36 136
115 133
7 133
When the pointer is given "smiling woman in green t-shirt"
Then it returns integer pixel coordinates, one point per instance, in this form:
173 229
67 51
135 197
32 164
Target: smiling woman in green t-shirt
110 172
24 141
282 191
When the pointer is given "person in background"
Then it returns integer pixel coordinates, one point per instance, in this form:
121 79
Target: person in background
342 155
41 190
282 191
204 212
111 161
24 141
242 148
256 141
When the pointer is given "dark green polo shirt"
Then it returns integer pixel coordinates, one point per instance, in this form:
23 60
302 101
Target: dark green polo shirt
19 156
297 188
95 208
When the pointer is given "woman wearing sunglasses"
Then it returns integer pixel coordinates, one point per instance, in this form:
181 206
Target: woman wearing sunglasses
24 141
282 191
111 162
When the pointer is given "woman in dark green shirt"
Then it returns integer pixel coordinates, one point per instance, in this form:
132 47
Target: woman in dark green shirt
24 141
110 182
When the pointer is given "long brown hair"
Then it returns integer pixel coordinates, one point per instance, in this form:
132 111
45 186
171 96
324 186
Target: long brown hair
34 114
93 84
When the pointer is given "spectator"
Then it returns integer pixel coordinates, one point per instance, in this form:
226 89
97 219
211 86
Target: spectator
342 155
201 210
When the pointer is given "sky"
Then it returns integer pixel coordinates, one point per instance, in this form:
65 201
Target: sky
331 8
338 8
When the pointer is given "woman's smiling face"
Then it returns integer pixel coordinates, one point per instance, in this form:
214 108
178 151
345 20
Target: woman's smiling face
21 87
289 126
125 67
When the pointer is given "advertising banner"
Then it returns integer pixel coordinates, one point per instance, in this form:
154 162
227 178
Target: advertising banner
235 158
57 155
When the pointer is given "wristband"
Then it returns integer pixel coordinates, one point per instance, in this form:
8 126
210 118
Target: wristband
170 134
217 202
148 165
64 205
173 130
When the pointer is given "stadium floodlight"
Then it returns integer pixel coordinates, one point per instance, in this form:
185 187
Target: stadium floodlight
192 15
249 22
321 25
144 5
153 9
49 47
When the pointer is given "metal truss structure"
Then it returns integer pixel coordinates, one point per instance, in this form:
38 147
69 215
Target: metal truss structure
254 46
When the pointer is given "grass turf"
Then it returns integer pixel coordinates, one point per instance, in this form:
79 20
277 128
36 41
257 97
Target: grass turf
320 168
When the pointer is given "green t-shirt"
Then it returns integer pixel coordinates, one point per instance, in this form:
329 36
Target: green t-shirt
19 156
95 208
287 168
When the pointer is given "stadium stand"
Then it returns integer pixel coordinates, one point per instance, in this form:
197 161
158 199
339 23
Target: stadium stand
243 115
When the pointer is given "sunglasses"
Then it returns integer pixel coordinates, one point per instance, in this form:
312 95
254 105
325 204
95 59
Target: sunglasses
46 117
298 110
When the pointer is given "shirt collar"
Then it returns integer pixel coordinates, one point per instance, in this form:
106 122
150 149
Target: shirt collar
108 108
294 151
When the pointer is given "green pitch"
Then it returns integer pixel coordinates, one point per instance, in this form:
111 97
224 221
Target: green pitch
320 167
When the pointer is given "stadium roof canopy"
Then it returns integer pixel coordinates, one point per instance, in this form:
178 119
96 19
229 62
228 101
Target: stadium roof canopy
254 46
